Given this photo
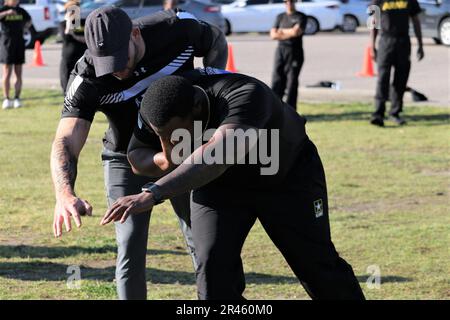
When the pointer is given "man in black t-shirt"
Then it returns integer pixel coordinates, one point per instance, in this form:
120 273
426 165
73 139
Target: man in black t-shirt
74 44
394 50
288 29
122 59
13 21
234 122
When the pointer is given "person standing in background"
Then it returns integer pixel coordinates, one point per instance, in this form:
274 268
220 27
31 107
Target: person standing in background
13 21
288 29
74 44
394 50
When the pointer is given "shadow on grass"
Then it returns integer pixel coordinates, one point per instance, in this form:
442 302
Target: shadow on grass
23 251
385 279
49 271
413 120
39 96
341 116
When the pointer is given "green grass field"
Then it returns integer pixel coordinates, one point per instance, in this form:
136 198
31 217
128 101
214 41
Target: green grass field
388 190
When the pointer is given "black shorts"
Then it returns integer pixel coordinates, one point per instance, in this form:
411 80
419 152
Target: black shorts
12 49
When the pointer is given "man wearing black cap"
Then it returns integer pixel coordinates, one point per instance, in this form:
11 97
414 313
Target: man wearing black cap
122 59
234 122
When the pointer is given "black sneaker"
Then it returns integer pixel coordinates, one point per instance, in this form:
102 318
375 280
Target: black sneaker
398 120
377 122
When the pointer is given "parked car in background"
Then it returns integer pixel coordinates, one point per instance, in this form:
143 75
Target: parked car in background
435 20
59 4
207 12
220 1
353 13
43 15
259 15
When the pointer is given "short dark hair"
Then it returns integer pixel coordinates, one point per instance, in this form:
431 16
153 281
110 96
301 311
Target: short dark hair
168 97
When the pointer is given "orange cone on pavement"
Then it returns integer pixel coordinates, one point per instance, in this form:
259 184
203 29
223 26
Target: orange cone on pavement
230 63
367 70
37 57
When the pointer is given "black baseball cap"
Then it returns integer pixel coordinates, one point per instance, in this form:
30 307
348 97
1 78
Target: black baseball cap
107 32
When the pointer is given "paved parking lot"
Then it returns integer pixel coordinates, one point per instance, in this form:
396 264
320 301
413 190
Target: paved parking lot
328 57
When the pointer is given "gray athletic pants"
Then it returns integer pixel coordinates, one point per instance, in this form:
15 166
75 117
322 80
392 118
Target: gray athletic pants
133 234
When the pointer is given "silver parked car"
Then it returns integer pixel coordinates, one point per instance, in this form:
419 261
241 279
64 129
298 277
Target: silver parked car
354 13
435 19
205 11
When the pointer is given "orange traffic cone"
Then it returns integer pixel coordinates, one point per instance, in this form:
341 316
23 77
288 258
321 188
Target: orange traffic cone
230 63
367 70
37 56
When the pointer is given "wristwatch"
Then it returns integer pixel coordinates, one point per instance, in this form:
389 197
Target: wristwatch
154 190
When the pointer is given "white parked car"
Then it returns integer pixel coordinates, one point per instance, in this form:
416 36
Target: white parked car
354 13
259 15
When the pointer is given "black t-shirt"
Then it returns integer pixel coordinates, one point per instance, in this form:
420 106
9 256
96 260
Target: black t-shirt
172 39
395 16
13 25
68 37
286 21
240 99
71 46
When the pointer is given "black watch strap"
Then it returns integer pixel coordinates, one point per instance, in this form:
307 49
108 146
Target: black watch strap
154 190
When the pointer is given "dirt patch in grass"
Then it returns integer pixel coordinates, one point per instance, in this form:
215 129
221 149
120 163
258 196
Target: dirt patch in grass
403 204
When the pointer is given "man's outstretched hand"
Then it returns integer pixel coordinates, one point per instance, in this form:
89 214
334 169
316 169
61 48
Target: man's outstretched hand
123 207
69 208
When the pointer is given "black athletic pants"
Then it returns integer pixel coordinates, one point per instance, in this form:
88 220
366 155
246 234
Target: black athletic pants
294 215
71 53
288 64
392 52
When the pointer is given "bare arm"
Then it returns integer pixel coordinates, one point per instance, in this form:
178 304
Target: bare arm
274 34
146 161
373 41
418 32
189 175
69 140
217 55
7 13
286 33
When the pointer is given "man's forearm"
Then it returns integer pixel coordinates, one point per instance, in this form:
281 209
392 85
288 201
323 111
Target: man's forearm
373 37
417 30
149 163
63 167
286 34
189 176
